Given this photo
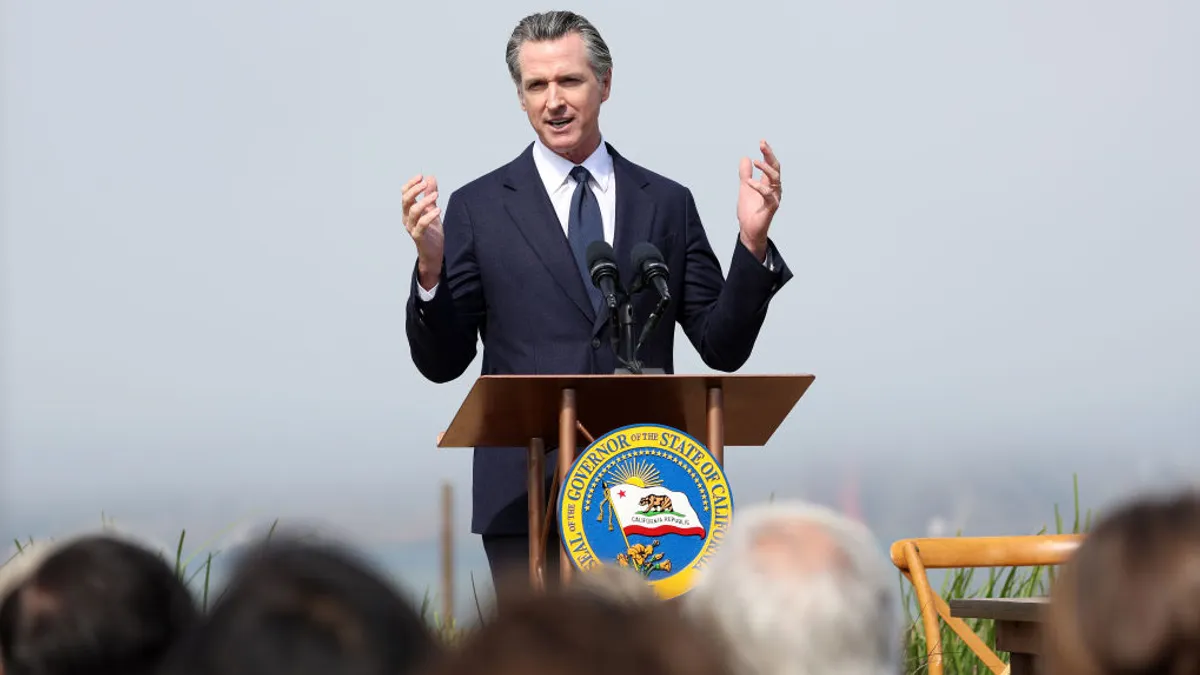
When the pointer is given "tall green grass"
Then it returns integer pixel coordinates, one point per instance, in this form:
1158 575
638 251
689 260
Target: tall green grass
999 582
196 571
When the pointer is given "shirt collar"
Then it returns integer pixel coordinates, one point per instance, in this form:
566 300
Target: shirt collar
555 169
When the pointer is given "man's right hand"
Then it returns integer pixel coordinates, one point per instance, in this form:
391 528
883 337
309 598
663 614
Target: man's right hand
423 220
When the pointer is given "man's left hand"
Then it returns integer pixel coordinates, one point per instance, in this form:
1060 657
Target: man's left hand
758 200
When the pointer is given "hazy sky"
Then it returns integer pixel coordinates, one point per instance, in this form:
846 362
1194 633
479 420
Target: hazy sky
993 214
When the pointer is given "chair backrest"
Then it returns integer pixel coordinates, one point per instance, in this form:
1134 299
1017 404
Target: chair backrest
913 556
965 552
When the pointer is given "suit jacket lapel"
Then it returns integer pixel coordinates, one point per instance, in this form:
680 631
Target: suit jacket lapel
530 208
634 219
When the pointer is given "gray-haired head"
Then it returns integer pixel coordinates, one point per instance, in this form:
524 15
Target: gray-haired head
546 26
798 589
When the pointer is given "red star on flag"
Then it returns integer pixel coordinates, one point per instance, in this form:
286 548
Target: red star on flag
621 493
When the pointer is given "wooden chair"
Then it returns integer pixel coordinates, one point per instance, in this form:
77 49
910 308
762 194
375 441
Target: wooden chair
913 556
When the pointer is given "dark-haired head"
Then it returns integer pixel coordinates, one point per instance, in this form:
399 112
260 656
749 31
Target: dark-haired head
301 607
1128 601
561 631
97 604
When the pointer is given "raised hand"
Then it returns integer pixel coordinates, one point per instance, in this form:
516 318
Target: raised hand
423 221
758 199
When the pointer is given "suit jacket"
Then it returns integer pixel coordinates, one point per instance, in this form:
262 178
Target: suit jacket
510 280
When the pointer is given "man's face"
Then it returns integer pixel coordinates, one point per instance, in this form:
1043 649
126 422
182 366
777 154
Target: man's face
562 95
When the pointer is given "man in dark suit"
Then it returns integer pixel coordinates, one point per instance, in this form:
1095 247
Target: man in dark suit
506 263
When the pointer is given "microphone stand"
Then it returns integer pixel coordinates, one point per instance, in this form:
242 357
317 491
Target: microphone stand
628 357
652 321
651 324
624 345
622 338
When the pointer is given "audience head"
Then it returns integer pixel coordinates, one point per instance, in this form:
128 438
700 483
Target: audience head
96 604
570 633
614 583
797 589
17 568
296 607
1128 600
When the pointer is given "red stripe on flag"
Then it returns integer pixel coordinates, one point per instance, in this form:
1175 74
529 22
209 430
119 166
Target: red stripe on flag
660 530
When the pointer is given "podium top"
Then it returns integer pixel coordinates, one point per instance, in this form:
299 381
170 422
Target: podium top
510 410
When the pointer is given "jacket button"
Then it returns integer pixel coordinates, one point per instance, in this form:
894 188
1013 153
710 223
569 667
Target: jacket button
595 343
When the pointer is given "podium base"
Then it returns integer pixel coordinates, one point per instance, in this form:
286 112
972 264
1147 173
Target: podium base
645 371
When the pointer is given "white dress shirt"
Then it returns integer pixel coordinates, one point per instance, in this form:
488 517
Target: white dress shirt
555 172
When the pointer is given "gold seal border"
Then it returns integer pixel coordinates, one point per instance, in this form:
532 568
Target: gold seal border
663 442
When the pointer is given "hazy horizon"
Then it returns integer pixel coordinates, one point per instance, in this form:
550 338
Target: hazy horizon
992 216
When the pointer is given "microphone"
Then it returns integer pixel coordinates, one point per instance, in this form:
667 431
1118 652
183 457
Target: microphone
602 266
650 266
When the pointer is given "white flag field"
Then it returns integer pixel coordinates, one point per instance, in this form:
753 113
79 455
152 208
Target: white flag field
654 511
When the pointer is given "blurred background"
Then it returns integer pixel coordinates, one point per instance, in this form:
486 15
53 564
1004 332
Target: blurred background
993 216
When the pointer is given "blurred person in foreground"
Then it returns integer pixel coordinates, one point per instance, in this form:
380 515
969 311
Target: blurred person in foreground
96 605
509 266
1128 600
610 584
18 567
303 606
613 583
560 632
797 589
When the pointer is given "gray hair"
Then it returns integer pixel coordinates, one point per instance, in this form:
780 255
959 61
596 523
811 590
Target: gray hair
841 615
552 26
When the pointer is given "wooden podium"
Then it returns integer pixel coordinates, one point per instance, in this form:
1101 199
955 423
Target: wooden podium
525 410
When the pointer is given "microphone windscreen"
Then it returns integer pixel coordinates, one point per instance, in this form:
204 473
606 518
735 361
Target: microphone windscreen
643 253
600 252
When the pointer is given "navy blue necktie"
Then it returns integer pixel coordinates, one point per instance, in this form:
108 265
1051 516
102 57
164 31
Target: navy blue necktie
583 227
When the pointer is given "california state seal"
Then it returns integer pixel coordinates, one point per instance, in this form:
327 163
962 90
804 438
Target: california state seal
647 497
